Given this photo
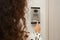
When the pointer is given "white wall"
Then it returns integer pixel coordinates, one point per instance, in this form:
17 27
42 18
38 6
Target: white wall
54 19
42 5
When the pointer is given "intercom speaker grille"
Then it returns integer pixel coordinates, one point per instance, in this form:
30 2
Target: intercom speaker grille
35 14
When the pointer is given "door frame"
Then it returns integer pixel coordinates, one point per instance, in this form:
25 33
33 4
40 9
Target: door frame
47 19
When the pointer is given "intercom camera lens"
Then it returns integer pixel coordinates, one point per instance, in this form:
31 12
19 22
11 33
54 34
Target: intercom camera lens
35 10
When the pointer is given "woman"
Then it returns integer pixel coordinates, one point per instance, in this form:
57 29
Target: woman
11 11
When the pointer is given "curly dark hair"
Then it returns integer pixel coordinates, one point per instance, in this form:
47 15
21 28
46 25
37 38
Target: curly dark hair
11 11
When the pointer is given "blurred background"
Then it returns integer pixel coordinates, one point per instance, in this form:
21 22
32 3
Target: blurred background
49 14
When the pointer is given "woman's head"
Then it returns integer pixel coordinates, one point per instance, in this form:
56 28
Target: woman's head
11 11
